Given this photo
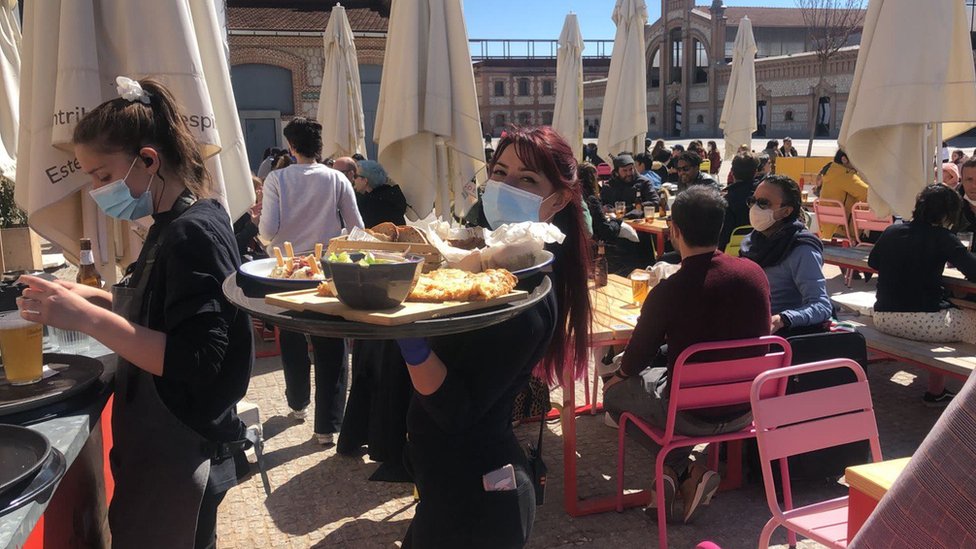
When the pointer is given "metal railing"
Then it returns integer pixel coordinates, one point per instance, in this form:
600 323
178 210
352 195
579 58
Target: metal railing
494 48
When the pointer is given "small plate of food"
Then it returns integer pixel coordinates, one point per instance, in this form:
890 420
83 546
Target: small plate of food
287 270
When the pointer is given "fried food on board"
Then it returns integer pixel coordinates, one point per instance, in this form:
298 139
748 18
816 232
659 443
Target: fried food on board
455 285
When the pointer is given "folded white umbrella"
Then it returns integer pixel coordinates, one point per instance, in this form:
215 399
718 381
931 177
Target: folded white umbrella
340 100
428 127
623 123
73 50
914 68
738 120
9 86
567 117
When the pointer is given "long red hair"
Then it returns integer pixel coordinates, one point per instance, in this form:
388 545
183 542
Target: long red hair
542 150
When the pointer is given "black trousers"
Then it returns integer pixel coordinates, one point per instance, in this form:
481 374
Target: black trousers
330 377
206 537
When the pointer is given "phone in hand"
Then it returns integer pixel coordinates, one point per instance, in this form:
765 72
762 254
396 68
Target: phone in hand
500 480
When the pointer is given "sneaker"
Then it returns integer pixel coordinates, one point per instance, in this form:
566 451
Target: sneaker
608 420
298 415
698 489
325 439
669 492
937 401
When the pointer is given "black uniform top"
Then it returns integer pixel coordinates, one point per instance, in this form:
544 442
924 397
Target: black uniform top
466 425
618 190
209 350
910 258
384 203
737 212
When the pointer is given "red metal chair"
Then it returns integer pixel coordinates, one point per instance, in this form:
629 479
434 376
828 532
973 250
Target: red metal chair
603 171
698 384
864 219
832 212
787 425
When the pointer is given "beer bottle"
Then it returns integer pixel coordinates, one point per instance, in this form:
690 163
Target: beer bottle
600 267
87 273
639 204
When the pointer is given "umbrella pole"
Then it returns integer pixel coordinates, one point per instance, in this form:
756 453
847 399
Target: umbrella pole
441 201
938 153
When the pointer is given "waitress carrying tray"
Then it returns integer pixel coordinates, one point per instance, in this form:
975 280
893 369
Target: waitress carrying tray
248 295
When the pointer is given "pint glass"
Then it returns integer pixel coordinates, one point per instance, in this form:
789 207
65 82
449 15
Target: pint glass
20 347
640 285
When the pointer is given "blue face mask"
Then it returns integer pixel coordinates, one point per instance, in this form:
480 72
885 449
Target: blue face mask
116 200
507 204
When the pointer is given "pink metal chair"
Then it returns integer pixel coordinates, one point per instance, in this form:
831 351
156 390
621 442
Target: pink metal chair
703 383
864 219
603 171
787 425
831 212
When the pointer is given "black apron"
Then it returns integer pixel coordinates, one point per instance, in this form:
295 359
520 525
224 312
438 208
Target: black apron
160 465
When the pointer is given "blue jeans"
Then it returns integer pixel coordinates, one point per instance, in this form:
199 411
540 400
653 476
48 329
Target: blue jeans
331 377
646 396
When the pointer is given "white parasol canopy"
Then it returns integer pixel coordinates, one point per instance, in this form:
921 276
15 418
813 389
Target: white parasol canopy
623 123
738 120
902 85
73 50
428 127
9 86
567 118
341 101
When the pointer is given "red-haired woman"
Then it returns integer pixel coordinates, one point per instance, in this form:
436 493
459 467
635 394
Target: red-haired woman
459 422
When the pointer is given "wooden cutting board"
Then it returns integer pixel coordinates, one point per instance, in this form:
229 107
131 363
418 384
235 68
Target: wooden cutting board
409 311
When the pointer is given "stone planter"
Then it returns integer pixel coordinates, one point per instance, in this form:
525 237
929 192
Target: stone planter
20 250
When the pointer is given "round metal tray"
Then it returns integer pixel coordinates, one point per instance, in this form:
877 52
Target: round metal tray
22 453
315 324
78 375
38 488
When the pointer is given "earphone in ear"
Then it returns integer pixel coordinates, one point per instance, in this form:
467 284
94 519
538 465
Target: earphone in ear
147 160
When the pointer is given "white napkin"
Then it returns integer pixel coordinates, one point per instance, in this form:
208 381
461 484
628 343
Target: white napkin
628 233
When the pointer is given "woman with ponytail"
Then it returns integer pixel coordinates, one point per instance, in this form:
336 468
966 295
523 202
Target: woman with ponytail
185 354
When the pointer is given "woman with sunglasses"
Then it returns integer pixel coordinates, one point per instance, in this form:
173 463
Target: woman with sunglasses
791 256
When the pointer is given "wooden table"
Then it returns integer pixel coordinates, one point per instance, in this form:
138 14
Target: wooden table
657 227
614 318
868 484
857 258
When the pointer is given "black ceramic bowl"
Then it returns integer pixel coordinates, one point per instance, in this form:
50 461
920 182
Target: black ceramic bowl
373 287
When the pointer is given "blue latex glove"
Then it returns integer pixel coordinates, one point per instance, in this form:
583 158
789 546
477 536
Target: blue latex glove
414 350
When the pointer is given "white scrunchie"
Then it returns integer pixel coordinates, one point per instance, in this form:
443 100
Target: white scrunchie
131 90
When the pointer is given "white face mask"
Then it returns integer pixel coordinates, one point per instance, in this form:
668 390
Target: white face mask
761 219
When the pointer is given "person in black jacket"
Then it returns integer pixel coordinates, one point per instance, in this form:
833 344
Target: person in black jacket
911 300
737 195
246 226
378 197
603 228
626 184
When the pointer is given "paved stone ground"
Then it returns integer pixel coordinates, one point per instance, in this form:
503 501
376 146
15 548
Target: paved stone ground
321 499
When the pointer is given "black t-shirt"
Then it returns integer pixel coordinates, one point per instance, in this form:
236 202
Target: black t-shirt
209 349
910 258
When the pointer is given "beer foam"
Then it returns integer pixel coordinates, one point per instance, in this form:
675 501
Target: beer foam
12 321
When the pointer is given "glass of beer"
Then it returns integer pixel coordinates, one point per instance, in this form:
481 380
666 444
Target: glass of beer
640 285
20 346
620 208
649 213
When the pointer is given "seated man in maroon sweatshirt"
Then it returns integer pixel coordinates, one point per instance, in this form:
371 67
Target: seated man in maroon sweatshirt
713 297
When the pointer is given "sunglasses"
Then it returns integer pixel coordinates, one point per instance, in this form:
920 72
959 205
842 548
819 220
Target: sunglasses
763 203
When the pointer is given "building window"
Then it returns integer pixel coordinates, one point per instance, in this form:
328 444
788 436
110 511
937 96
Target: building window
547 118
788 116
523 86
653 121
676 55
654 75
548 87
525 118
499 88
701 63
499 120
700 119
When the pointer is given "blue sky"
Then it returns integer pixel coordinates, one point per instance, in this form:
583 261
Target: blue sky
543 19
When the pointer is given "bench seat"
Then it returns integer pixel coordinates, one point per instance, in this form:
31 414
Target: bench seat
955 359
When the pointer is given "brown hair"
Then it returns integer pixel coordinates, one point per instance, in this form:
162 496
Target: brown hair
120 125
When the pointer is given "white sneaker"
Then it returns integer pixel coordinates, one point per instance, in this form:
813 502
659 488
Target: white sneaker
298 415
325 439
608 420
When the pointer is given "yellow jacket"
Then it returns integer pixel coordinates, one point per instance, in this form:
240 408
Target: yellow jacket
844 186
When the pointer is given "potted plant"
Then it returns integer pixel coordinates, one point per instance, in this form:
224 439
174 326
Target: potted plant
20 248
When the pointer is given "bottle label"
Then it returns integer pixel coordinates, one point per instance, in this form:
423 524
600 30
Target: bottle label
87 257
